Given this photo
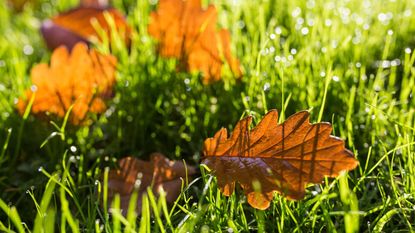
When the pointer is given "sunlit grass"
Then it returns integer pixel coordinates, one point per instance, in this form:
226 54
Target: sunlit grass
349 62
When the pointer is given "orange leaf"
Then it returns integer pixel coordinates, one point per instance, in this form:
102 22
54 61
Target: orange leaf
275 157
159 172
188 32
75 25
82 79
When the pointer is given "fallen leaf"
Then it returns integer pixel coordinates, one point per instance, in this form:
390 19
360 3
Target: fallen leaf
76 26
188 32
275 157
84 79
159 173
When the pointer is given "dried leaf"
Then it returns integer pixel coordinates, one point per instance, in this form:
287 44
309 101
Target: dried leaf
83 79
275 157
188 32
159 172
75 26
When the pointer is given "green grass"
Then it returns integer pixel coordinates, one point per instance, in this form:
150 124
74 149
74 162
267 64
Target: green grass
349 62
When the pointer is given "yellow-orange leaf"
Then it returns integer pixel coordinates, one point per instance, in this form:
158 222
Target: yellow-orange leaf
188 32
83 79
275 157
76 25
159 172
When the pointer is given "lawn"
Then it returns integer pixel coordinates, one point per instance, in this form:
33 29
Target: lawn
347 62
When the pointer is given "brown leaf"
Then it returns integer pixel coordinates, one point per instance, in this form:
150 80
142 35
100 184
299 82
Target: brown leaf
275 157
75 26
83 79
188 32
159 172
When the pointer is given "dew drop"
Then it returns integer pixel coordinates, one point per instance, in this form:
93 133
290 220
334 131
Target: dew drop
73 149
28 49
266 87
72 159
33 88
304 30
278 30
296 12
277 58
293 51
328 22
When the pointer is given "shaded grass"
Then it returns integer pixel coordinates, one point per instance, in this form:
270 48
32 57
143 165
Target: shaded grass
348 62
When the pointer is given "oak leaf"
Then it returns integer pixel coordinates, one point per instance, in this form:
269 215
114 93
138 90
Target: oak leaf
84 78
188 32
159 173
76 25
275 157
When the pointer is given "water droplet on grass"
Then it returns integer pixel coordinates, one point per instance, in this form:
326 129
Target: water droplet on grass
267 86
28 49
395 62
33 88
293 51
407 13
277 58
296 12
278 30
73 149
241 24
328 22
